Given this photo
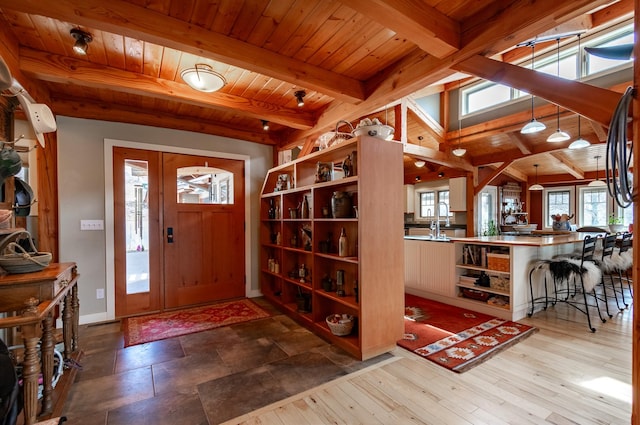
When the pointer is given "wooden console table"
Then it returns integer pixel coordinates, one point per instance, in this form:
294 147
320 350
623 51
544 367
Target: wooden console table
32 297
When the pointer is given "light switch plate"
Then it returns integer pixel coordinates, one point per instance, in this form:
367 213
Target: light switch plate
91 224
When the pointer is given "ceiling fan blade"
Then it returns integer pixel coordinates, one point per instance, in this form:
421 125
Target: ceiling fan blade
621 52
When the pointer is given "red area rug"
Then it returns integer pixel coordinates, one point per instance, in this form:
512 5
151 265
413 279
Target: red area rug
455 338
154 327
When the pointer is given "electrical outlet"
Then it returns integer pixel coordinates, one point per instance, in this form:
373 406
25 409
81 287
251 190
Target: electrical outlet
91 225
100 293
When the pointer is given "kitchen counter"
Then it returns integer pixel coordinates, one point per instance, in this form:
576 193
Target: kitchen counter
525 240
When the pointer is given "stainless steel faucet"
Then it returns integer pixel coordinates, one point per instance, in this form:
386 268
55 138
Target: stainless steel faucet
447 223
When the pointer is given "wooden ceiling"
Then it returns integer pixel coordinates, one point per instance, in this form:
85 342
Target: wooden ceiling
354 59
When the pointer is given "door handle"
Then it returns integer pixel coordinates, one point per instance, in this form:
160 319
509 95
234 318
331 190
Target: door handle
169 234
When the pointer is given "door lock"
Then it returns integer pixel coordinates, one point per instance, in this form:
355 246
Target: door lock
169 234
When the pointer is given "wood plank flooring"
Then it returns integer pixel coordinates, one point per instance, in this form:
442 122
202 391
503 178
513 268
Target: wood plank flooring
564 374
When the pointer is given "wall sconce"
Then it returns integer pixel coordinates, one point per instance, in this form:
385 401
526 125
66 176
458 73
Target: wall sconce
203 78
419 163
300 94
82 41
265 125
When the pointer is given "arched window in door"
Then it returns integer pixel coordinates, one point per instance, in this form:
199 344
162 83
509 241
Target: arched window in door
204 185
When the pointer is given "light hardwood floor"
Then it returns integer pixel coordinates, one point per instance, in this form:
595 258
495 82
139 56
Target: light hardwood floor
563 374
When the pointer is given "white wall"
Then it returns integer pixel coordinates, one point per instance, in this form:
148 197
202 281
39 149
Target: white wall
81 189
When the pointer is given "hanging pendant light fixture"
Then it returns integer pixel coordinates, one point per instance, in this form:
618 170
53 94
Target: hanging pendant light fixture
459 151
533 126
579 143
558 135
597 182
536 186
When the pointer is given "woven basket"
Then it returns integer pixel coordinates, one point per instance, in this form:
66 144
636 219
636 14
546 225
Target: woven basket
14 259
343 327
334 137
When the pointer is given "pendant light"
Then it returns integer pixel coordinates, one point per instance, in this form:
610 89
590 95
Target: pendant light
532 126
597 182
558 135
459 151
536 186
579 143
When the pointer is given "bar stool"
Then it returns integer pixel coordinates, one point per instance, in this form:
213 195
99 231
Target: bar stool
608 265
564 270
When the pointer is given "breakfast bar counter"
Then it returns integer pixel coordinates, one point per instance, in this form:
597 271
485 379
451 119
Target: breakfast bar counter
488 274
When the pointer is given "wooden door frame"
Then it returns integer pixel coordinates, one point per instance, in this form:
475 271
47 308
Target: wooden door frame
109 144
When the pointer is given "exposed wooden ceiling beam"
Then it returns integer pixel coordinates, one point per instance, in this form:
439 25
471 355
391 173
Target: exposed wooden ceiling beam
437 157
515 174
567 165
122 17
601 132
122 113
434 127
486 33
431 30
60 69
593 102
488 179
520 142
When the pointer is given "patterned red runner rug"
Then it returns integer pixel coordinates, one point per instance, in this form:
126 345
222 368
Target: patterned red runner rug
154 327
455 338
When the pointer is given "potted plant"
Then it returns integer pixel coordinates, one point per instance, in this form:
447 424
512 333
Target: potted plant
615 224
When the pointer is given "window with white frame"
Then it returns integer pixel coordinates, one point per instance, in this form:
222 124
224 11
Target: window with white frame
427 204
484 94
594 206
429 200
626 214
557 200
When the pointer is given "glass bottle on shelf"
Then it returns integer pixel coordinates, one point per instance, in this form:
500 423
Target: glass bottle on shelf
340 283
272 209
342 243
304 208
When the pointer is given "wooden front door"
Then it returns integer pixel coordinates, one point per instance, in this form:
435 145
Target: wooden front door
179 230
203 229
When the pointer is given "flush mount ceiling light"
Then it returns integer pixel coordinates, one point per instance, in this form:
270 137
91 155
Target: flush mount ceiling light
536 186
532 126
558 135
419 163
597 182
82 41
265 125
300 94
203 78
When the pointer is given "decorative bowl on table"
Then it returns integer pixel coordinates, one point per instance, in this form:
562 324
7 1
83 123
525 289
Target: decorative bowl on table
373 128
340 324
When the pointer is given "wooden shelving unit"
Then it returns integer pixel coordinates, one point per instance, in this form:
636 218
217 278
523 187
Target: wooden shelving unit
292 269
471 262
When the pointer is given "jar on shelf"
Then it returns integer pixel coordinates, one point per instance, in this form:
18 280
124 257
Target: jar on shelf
341 206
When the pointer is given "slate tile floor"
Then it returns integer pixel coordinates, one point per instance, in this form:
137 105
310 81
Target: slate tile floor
200 379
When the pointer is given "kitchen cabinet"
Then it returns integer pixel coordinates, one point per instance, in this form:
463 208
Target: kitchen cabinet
458 194
409 199
425 273
299 248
